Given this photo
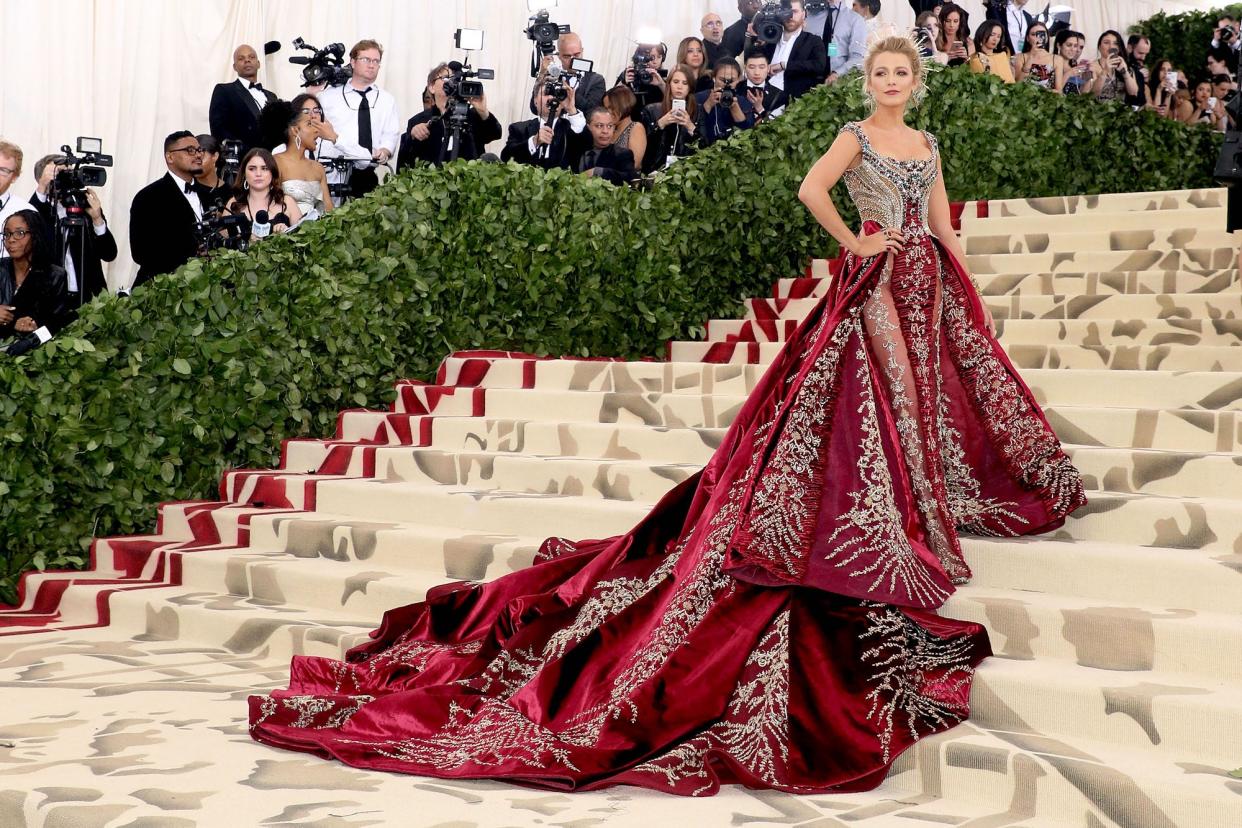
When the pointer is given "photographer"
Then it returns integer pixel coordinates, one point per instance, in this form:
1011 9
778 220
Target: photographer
799 61
1225 40
424 138
1113 76
33 302
844 32
546 140
724 108
602 158
676 118
645 75
740 36
589 87
164 215
234 111
84 251
766 101
363 116
926 33
10 170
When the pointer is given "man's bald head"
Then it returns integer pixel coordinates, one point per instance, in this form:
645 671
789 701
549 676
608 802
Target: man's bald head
568 47
712 27
246 62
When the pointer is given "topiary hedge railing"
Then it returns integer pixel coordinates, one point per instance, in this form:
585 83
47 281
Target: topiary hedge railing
148 399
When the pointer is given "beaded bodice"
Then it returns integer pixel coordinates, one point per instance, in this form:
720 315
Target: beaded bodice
891 192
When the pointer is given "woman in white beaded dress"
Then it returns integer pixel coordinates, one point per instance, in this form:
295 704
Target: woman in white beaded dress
295 124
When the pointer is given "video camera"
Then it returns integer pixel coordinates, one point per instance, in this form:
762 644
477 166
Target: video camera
79 172
640 61
222 230
325 66
230 159
769 22
544 33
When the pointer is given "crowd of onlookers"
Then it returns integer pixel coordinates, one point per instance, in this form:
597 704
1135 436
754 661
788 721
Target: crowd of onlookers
267 165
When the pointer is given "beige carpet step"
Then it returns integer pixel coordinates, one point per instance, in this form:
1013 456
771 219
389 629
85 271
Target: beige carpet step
1125 638
1107 573
1166 714
479 510
1209 524
1195 199
582 375
1166 429
1159 472
1213 218
1197 259
984 241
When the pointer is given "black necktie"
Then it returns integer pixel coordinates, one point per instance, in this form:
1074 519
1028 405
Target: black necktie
364 120
588 160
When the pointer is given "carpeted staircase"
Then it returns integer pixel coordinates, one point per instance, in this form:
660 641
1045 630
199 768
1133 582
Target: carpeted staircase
1115 698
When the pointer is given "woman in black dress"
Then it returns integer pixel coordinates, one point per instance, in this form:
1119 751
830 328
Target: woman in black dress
33 293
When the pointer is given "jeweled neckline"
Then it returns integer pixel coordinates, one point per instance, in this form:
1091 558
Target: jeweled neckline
872 150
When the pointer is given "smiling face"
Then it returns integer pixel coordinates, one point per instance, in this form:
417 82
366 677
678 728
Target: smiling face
1072 48
891 79
17 239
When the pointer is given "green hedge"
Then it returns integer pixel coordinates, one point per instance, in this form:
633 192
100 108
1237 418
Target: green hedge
1183 38
149 399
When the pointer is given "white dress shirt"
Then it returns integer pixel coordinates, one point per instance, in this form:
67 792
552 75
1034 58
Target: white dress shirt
577 122
9 204
340 108
191 197
783 50
849 33
257 94
1015 22
70 269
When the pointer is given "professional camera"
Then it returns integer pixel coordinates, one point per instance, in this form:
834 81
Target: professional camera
923 37
325 66
76 174
222 230
1227 35
640 61
230 159
727 96
769 21
544 33
815 6
459 86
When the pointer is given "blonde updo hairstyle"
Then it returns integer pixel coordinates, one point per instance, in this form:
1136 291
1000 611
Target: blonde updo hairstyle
897 45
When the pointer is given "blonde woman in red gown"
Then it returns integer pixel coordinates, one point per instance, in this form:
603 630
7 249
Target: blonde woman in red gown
771 622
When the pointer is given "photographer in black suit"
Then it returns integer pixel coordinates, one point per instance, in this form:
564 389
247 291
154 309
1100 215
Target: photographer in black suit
234 112
86 244
589 87
424 134
165 213
547 140
798 62
739 36
598 156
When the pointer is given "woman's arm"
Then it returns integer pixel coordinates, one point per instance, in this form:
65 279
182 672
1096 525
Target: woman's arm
293 211
638 144
815 193
1131 82
1020 66
940 220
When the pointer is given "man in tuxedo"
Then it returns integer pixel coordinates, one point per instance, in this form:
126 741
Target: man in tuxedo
547 143
799 60
588 89
424 136
712 29
164 214
1014 21
86 243
766 100
234 112
599 157
739 36
10 170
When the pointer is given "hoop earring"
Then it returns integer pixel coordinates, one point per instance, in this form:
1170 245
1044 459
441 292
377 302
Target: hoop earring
245 185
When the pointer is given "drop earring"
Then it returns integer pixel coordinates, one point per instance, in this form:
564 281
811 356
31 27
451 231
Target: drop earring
297 141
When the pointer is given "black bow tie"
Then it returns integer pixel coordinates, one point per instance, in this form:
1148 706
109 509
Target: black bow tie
189 188
257 86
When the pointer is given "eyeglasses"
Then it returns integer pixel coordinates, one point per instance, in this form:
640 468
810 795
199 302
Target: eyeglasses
190 150
14 234
7 171
312 111
369 61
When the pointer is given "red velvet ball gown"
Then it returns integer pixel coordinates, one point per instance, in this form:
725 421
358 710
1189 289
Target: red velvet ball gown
770 622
